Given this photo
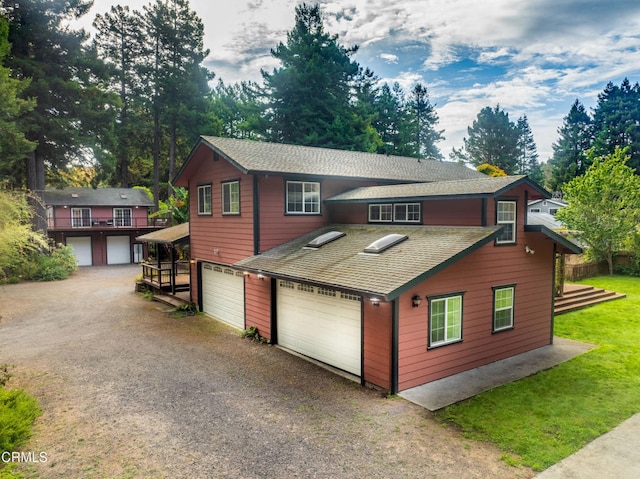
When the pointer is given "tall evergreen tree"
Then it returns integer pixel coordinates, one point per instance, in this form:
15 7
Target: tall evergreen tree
570 151
391 121
422 122
493 139
310 101
14 146
528 152
616 121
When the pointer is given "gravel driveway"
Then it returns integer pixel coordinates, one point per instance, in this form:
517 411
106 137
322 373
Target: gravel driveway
129 391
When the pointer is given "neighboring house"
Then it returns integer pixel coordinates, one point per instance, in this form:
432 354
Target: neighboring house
100 224
397 271
546 205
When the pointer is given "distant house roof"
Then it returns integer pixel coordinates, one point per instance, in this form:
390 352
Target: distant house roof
97 197
344 264
483 186
559 203
171 235
252 157
544 219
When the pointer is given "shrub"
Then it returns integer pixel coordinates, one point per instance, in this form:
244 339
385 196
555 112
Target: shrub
18 410
57 265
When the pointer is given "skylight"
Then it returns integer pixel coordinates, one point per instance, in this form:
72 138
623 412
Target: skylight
324 239
385 243
74 195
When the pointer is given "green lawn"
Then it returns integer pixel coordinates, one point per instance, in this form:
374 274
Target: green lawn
546 417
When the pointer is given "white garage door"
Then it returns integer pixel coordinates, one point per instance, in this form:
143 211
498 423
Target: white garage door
323 324
81 246
223 294
118 250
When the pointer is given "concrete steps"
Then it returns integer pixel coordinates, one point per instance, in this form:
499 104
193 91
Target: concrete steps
581 296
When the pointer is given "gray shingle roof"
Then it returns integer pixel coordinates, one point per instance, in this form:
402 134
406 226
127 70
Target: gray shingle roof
341 264
97 197
474 187
263 157
173 234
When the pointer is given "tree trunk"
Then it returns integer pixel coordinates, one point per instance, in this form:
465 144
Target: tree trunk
35 185
610 263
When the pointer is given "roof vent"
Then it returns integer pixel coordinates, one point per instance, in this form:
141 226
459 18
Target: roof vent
123 196
324 239
385 243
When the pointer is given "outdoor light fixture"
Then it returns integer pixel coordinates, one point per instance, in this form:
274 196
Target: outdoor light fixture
528 250
260 276
416 300
375 302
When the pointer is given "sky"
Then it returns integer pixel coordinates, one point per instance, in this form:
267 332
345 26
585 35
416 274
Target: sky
530 57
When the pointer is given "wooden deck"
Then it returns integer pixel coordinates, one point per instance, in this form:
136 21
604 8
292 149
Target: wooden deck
166 278
578 296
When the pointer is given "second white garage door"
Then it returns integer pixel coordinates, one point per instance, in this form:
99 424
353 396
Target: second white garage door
118 250
323 324
223 294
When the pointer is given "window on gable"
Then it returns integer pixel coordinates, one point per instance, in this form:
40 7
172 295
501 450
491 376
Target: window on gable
503 301
231 198
204 200
445 320
80 217
506 216
303 197
122 216
396 212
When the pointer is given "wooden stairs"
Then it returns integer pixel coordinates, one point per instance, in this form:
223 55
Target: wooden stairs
577 296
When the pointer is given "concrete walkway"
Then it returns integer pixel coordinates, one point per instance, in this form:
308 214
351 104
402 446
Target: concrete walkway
614 454
438 394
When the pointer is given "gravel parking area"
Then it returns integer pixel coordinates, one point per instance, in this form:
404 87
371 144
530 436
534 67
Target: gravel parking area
129 391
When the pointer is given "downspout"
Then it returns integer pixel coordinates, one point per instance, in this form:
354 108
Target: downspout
274 312
395 314
553 291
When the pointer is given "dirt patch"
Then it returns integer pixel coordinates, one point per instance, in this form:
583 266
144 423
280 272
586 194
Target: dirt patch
128 391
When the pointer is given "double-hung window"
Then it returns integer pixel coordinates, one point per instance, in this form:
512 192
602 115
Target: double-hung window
204 200
394 212
122 216
231 198
506 217
303 197
80 217
503 300
445 320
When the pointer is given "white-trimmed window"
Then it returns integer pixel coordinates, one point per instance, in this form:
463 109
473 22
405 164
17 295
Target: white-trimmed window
204 199
503 301
506 216
381 213
394 212
303 197
231 198
80 217
122 216
445 320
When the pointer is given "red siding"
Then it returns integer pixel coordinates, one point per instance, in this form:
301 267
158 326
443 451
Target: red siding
464 212
221 238
377 344
490 266
258 304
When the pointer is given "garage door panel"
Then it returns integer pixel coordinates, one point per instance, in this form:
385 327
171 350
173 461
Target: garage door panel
321 324
81 246
223 294
118 250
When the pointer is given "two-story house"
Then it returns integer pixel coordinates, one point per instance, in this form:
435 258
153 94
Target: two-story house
396 271
100 224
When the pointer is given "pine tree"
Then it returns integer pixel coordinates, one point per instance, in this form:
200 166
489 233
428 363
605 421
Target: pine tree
570 151
528 153
493 139
423 119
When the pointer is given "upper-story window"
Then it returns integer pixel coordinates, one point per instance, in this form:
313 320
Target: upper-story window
303 197
80 217
204 200
396 212
231 198
506 216
122 216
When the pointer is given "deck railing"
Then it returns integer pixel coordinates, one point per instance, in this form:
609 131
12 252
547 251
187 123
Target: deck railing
106 222
167 277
